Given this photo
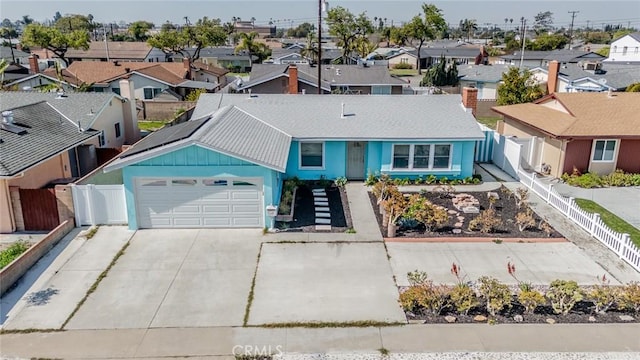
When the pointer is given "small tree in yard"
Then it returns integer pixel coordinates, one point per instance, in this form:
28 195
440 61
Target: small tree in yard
563 295
395 206
441 74
486 222
528 297
426 213
496 294
604 296
525 220
422 292
518 87
521 196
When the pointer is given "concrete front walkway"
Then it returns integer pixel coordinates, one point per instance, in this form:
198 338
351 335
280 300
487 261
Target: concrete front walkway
227 341
47 294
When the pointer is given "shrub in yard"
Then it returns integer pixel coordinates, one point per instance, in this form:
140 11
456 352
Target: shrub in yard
486 222
496 295
630 298
530 299
587 181
340 181
525 220
12 252
431 179
402 66
545 227
522 196
603 295
463 298
563 295
394 205
426 213
444 191
423 293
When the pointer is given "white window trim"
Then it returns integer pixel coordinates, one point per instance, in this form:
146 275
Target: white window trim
615 150
300 167
431 157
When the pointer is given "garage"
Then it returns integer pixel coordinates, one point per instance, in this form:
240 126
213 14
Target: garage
204 202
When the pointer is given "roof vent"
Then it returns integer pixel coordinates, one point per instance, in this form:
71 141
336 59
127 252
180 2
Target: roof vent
338 72
7 117
61 94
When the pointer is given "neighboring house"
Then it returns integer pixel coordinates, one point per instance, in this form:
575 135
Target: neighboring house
532 59
402 57
262 30
598 132
625 49
13 55
225 165
223 57
113 116
588 76
117 51
39 145
459 55
486 78
14 72
290 55
150 79
345 79
209 73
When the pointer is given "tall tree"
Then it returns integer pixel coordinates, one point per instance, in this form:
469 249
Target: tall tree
138 30
247 43
205 32
442 74
399 36
468 26
71 22
518 87
347 28
424 27
543 22
26 19
310 49
57 16
546 42
55 40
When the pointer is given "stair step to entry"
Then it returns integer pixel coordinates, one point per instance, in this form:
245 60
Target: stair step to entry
317 190
323 227
320 198
323 215
323 221
321 203
322 209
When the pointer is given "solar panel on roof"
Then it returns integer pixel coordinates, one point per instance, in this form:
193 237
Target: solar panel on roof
166 136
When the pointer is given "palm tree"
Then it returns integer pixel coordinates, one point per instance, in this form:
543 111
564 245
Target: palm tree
248 43
4 64
310 50
253 22
468 25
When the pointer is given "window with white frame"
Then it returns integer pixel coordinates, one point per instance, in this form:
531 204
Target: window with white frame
604 150
421 156
311 155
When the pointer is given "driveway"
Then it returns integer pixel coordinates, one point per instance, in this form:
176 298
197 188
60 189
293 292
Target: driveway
622 201
538 263
175 278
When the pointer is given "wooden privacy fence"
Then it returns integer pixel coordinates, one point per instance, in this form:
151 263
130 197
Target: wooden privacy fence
39 209
617 242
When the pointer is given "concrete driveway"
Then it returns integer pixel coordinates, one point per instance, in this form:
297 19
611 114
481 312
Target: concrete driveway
324 282
175 278
538 263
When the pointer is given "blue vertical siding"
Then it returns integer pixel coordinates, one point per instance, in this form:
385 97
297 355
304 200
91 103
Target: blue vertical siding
335 162
484 147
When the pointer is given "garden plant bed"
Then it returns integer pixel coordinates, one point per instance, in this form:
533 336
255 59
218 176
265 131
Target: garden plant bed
505 208
304 209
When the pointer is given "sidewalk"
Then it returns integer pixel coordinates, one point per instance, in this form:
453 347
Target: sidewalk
619 269
224 341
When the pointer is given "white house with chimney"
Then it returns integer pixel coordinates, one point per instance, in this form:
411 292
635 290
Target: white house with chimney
625 49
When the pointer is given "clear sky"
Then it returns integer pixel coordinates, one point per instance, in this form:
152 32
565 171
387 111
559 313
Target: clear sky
287 12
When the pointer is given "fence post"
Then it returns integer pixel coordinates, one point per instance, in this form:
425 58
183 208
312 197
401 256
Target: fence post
570 205
623 244
90 190
549 193
533 179
76 203
594 220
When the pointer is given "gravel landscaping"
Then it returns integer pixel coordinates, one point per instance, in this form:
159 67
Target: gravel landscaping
304 210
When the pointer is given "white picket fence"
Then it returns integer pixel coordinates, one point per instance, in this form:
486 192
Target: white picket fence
99 204
618 242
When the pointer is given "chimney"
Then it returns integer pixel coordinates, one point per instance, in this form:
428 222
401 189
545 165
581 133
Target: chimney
187 66
130 113
293 79
470 99
552 77
33 64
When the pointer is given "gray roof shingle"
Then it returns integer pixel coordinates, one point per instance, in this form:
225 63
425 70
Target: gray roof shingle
47 135
483 73
78 107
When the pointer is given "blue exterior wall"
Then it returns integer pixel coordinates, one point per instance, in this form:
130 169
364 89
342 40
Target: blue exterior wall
378 159
198 162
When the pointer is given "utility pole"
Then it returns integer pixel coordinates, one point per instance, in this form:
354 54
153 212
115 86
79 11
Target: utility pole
321 4
106 44
524 34
573 16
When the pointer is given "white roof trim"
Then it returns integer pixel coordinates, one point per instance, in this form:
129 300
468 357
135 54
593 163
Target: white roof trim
145 76
38 75
147 154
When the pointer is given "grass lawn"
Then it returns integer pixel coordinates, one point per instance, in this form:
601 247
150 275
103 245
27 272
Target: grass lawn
614 222
151 125
403 72
489 121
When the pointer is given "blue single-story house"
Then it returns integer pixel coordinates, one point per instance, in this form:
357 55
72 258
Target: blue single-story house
225 165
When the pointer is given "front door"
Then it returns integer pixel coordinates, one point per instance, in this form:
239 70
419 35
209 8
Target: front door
355 160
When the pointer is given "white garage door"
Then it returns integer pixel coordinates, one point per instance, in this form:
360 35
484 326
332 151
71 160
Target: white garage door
199 202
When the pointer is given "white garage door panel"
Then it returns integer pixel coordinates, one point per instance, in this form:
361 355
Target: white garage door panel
195 202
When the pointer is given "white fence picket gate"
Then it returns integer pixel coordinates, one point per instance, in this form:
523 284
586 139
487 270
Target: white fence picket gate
99 204
617 242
